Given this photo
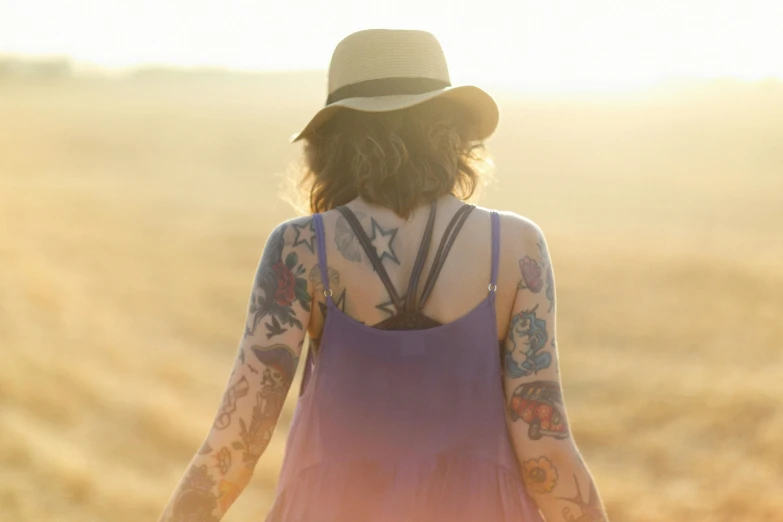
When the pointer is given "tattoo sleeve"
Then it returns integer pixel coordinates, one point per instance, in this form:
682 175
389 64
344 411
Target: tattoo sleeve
551 468
268 354
280 283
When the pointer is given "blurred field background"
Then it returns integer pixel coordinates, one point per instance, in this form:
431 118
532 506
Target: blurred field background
133 211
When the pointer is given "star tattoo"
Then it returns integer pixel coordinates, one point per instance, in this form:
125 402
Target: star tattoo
387 307
308 232
382 241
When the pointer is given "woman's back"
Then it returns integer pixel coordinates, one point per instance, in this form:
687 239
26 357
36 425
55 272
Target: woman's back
402 419
460 285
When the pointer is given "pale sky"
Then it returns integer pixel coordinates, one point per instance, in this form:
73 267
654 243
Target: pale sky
541 45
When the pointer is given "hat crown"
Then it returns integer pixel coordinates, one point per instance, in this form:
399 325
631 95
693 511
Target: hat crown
374 54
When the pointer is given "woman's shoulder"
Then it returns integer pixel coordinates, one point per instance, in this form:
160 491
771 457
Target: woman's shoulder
296 235
516 229
302 227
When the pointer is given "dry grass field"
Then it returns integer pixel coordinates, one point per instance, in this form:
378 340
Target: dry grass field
133 213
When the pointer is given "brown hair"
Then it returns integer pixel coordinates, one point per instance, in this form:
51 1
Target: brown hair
398 159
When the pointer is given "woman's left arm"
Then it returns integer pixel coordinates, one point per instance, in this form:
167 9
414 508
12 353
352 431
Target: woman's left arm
277 318
555 475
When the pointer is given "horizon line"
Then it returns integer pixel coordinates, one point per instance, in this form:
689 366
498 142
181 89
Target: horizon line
76 68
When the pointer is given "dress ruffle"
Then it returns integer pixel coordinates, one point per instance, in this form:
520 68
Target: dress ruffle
443 488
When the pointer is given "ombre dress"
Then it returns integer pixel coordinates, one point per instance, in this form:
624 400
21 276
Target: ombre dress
403 421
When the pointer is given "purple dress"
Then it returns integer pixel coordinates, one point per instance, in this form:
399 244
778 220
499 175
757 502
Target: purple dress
396 424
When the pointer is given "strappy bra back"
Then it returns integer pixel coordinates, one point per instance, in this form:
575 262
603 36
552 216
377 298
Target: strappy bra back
408 310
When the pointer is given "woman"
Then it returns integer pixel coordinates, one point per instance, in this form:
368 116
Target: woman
431 390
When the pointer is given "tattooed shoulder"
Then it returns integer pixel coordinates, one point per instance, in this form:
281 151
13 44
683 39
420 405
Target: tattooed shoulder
280 281
535 265
304 233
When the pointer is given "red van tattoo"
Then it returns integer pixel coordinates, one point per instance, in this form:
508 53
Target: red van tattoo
539 404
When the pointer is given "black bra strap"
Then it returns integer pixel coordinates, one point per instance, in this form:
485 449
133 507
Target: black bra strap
426 239
369 249
453 228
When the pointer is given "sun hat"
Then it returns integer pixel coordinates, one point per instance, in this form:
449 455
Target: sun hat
380 70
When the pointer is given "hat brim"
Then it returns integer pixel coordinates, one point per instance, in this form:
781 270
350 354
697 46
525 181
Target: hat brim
480 105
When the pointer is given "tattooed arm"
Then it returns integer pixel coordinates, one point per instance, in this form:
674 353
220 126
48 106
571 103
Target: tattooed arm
552 468
278 313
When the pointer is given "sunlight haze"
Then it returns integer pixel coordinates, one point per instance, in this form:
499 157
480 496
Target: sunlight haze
138 191
541 46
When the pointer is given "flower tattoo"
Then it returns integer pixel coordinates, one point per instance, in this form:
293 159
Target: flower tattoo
531 275
540 475
286 282
279 283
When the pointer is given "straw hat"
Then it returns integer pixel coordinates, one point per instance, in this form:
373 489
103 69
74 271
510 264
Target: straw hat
380 70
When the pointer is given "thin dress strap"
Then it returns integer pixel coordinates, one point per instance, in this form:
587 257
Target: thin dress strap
319 234
493 279
369 249
426 239
452 229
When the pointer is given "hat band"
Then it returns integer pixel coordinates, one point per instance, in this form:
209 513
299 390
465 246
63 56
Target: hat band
386 87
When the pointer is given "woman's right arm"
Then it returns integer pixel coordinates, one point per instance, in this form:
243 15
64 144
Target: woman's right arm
269 350
555 475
